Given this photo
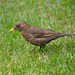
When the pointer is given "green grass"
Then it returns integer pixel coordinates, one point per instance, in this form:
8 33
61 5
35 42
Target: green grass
18 57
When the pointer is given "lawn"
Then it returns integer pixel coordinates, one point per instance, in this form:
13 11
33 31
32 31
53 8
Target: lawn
18 57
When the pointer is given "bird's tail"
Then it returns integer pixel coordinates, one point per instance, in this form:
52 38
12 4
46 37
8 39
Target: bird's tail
67 34
58 35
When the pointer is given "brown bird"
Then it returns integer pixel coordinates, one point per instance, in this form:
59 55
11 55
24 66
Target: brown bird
36 35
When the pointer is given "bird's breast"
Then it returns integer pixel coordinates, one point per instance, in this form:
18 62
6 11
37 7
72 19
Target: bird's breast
28 37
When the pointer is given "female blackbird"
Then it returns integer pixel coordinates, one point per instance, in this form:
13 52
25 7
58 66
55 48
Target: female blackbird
36 35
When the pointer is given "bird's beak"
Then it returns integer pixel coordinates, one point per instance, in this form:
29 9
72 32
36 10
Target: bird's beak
12 29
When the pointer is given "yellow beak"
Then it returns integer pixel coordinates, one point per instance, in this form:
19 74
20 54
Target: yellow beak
12 29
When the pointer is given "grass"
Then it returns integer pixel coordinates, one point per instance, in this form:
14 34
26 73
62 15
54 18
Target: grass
18 57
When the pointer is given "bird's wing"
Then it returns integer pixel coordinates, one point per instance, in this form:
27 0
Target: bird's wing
39 32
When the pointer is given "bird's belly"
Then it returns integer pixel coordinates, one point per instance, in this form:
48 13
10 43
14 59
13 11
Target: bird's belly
38 41
41 41
35 41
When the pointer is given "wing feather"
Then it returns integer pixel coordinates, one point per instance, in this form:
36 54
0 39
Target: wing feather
41 32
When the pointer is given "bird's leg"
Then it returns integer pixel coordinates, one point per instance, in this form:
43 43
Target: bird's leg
41 47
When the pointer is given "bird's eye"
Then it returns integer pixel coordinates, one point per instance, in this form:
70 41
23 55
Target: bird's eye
17 26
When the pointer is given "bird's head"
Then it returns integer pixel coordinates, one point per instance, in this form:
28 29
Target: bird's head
18 26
